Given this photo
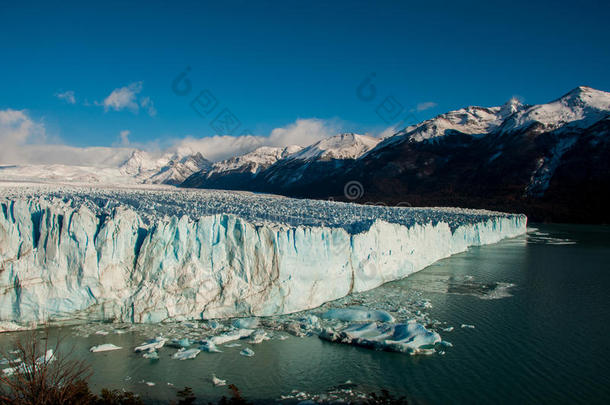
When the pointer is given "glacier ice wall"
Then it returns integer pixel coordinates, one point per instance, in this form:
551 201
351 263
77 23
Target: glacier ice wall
101 255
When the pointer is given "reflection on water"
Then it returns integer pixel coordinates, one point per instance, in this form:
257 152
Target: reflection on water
539 306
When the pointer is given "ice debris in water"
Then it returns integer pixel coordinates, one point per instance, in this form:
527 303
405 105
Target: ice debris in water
409 337
47 358
218 382
246 323
151 355
106 347
186 354
449 329
153 344
232 345
180 343
466 326
259 336
358 314
209 347
247 352
230 336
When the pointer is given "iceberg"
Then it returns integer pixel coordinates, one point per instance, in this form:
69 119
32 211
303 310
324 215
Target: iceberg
410 337
229 336
356 314
247 352
151 345
186 354
148 255
106 347
218 382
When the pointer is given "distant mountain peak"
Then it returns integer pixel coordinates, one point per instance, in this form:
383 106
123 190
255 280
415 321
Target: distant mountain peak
347 145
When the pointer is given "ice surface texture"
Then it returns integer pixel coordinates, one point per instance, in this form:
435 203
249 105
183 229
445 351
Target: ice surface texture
148 255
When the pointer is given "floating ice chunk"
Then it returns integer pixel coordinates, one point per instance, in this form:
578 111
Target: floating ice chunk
152 355
230 336
424 304
466 326
101 332
247 352
150 383
153 344
245 323
186 354
445 343
209 347
232 345
358 314
259 336
218 382
47 358
106 347
409 337
214 324
180 343
449 329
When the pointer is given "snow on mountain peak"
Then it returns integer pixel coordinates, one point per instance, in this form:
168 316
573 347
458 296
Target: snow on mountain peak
342 146
581 107
470 120
255 161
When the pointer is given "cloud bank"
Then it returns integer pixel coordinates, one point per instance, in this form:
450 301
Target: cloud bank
24 142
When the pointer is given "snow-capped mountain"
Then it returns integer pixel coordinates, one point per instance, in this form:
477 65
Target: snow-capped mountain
255 161
342 146
470 120
581 108
126 166
264 166
550 160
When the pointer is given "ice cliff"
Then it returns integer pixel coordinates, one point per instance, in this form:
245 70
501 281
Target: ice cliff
149 255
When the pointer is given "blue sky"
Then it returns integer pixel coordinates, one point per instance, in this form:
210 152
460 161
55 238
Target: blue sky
272 63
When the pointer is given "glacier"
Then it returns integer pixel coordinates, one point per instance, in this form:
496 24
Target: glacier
148 254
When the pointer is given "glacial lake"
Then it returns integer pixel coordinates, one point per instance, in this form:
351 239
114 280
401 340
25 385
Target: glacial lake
530 318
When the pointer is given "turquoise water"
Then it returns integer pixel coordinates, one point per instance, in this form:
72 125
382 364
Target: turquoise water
539 304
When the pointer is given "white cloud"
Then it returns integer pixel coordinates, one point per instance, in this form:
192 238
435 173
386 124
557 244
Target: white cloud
68 96
303 132
24 142
124 98
16 130
124 137
148 105
426 106
386 133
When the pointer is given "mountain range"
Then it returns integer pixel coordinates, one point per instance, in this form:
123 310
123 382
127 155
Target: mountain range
550 161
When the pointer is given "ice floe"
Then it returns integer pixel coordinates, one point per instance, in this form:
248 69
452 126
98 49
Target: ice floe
186 354
247 352
358 315
218 382
106 347
153 344
409 337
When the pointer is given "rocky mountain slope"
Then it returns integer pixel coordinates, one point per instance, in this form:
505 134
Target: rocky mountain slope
551 161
